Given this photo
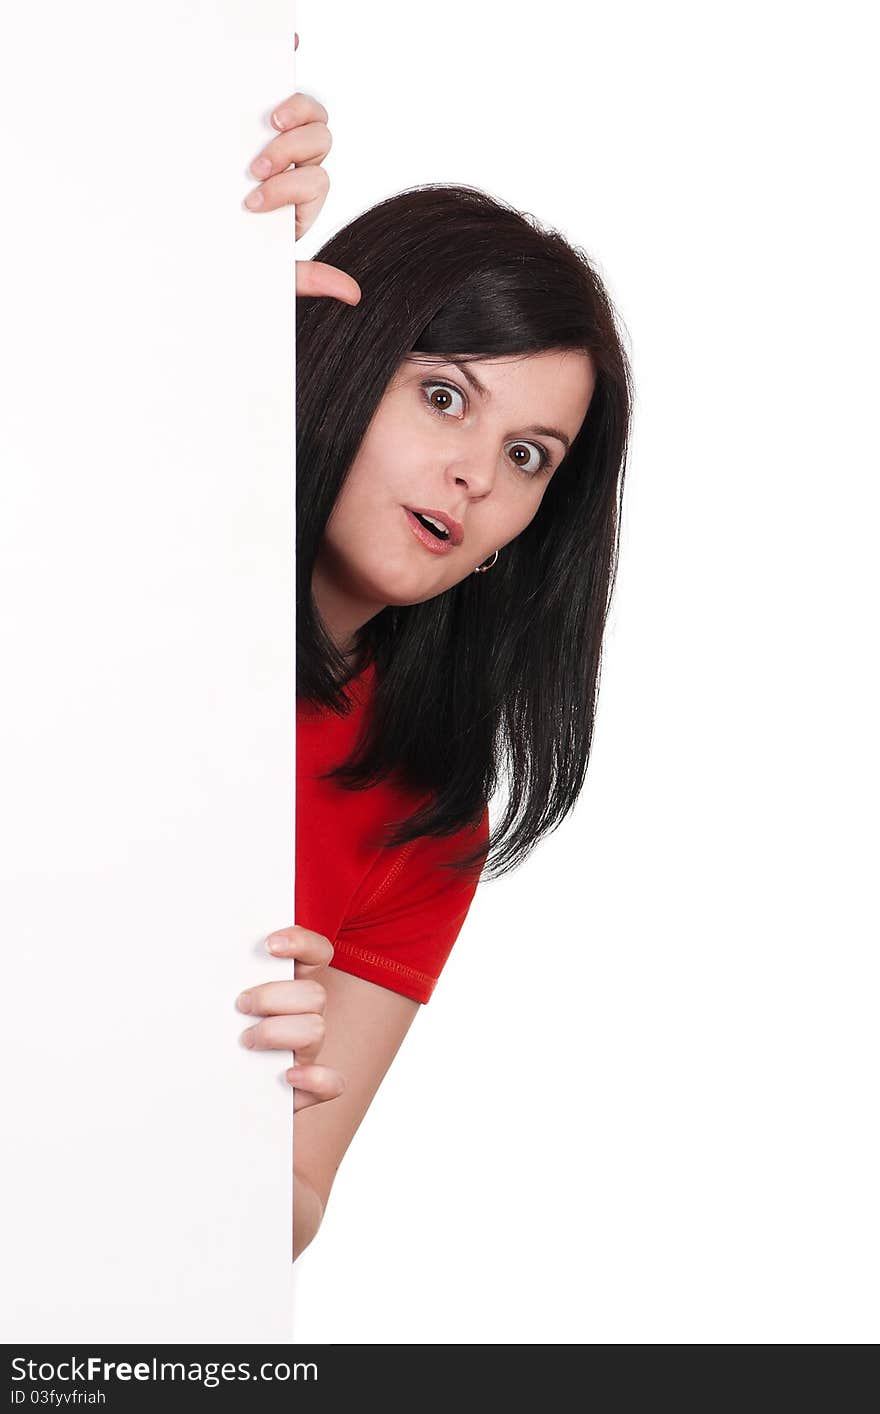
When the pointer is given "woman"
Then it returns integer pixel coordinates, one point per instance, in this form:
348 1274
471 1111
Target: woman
462 421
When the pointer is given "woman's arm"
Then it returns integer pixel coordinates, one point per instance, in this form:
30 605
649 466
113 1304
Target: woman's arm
308 1211
365 1026
345 1032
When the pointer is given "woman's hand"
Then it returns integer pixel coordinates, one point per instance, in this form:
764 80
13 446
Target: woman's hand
304 139
294 1014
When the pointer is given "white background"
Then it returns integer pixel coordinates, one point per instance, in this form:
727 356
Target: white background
640 1107
147 643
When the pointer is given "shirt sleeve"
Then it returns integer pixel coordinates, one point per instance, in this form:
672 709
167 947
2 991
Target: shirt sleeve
405 918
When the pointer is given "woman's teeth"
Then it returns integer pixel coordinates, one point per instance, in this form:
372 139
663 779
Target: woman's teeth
433 525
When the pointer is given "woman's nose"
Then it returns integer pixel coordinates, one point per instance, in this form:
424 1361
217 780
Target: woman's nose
475 467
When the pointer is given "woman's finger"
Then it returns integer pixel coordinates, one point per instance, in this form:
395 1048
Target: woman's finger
313 1084
298 108
309 143
304 188
302 1034
283 998
315 277
300 186
304 944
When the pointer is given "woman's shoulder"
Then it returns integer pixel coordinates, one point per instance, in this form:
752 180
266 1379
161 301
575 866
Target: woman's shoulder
408 910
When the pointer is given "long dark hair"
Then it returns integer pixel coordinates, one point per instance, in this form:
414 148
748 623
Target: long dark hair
495 679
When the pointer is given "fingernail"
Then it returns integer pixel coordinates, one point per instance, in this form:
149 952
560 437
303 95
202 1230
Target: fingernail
255 200
247 1038
275 945
245 1002
281 119
261 166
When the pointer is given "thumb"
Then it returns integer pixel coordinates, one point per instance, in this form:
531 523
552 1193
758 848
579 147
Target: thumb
313 277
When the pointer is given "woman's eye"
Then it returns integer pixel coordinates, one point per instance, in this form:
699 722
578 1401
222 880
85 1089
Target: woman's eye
528 457
441 398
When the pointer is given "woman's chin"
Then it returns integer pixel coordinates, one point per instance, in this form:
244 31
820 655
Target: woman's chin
401 584
400 598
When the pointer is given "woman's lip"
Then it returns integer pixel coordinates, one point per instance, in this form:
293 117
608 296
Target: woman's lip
455 528
430 542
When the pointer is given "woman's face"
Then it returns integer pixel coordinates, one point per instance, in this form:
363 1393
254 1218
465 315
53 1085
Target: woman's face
481 455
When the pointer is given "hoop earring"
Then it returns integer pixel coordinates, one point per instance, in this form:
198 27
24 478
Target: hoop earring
486 565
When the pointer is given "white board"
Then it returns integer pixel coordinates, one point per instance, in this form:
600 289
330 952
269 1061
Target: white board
147 644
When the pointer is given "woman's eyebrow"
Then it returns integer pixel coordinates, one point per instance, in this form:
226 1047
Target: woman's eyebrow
552 432
484 393
471 378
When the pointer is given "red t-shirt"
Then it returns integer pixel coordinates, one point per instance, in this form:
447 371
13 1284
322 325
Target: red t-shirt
391 914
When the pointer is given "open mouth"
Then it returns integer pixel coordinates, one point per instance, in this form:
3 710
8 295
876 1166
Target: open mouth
434 526
436 538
